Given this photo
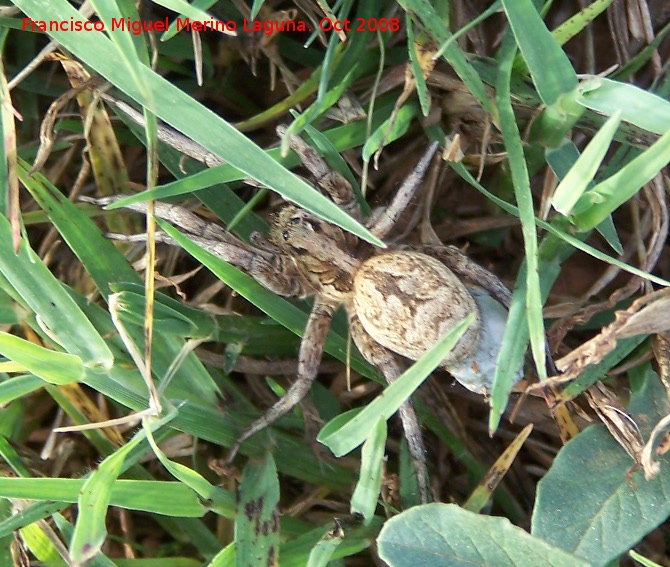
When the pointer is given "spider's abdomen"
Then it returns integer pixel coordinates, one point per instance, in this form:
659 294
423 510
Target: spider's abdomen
407 301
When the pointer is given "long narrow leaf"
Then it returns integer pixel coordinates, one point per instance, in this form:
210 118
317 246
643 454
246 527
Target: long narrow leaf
341 439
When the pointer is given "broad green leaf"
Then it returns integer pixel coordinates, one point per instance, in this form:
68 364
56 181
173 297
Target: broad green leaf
590 503
446 535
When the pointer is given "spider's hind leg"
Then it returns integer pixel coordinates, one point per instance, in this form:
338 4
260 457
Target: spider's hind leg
311 350
386 361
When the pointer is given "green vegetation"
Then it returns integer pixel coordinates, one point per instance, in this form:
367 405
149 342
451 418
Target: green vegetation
555 176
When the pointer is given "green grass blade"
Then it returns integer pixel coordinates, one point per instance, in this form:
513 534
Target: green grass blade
342 439
95 496
414 49
182 112
219 500
559 232
637 106
101 259
582 173
157 497
184 8
549 66
504 376
45 295
17 387
425 13
576 24
51 366
257 524
596 205
90 530
342 138
366 493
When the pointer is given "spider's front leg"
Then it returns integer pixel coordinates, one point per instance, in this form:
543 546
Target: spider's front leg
311 350
334 184
266 266
386 361
381 224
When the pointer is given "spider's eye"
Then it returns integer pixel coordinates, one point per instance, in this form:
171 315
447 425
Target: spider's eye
295 220
308 224
285 235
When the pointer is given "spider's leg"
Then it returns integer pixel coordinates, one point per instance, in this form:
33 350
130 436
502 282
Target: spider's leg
386 361
383 223
174 214
469 270
309 358
334 184
265 266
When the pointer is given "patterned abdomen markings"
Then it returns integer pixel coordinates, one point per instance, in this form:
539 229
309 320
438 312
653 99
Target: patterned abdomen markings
407 301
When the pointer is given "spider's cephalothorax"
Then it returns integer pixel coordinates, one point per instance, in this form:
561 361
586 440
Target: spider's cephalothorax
324 254
398 302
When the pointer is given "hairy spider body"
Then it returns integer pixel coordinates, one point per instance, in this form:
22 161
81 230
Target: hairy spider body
381 290
398 302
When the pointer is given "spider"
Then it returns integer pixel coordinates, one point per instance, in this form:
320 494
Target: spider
399 301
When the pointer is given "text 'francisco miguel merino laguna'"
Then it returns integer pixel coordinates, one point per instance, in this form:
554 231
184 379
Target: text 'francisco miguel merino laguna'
136 27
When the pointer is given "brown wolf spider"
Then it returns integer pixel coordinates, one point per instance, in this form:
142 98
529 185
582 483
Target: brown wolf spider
399 301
